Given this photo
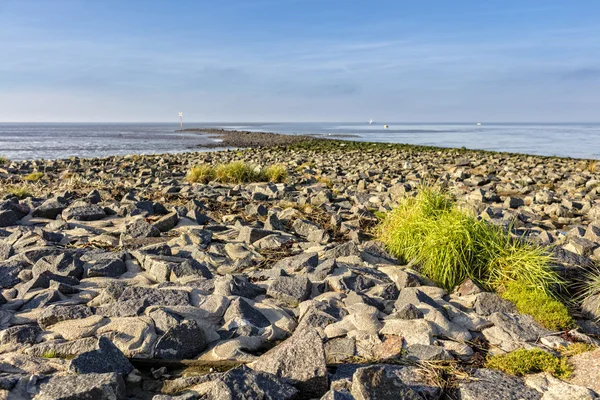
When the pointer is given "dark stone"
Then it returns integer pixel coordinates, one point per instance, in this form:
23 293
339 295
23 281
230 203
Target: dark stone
49 209
58 313
343 250
272 223
198 217
181 342
93 197
84 213
494 385
8 218
290 289
108 268
106 358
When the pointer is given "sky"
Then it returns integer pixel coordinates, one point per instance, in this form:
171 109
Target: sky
299 60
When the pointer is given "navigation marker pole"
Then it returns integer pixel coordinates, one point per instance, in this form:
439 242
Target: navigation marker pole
181 120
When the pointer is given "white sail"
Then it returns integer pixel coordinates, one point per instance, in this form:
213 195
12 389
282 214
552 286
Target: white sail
371 121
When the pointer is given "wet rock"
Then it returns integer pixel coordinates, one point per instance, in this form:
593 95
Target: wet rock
184 341
105 359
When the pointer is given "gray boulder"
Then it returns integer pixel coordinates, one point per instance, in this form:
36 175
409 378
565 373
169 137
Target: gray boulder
494 385
139 228
380 382
57 313
184 341
106 358
49 209
301 360
489 303
8 218
84 213
242 383
108 386
290 289
112 268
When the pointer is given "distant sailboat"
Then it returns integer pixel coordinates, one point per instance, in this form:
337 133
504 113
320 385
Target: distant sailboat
386 126
479 124
371 121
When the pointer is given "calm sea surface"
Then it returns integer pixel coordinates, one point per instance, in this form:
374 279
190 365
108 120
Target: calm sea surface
20 141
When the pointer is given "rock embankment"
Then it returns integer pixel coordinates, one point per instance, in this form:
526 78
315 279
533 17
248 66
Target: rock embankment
114 270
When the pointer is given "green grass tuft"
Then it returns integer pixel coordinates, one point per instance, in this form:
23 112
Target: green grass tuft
237 172
34 176
201 174
3 160
19 192
50 354
450 244
522 362
576 348
275 173
546 310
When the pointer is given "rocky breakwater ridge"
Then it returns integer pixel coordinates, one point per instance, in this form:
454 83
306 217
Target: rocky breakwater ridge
113 268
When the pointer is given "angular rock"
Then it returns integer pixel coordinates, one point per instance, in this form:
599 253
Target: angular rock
139 228
489 303
105 359
83 387
380 382
290 289
302 262
184 341
167 222
301 360
8 218
58 313
49 209
242 383
84 213
494 385
111 268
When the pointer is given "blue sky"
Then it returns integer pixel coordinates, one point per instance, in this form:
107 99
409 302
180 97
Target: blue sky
299 60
